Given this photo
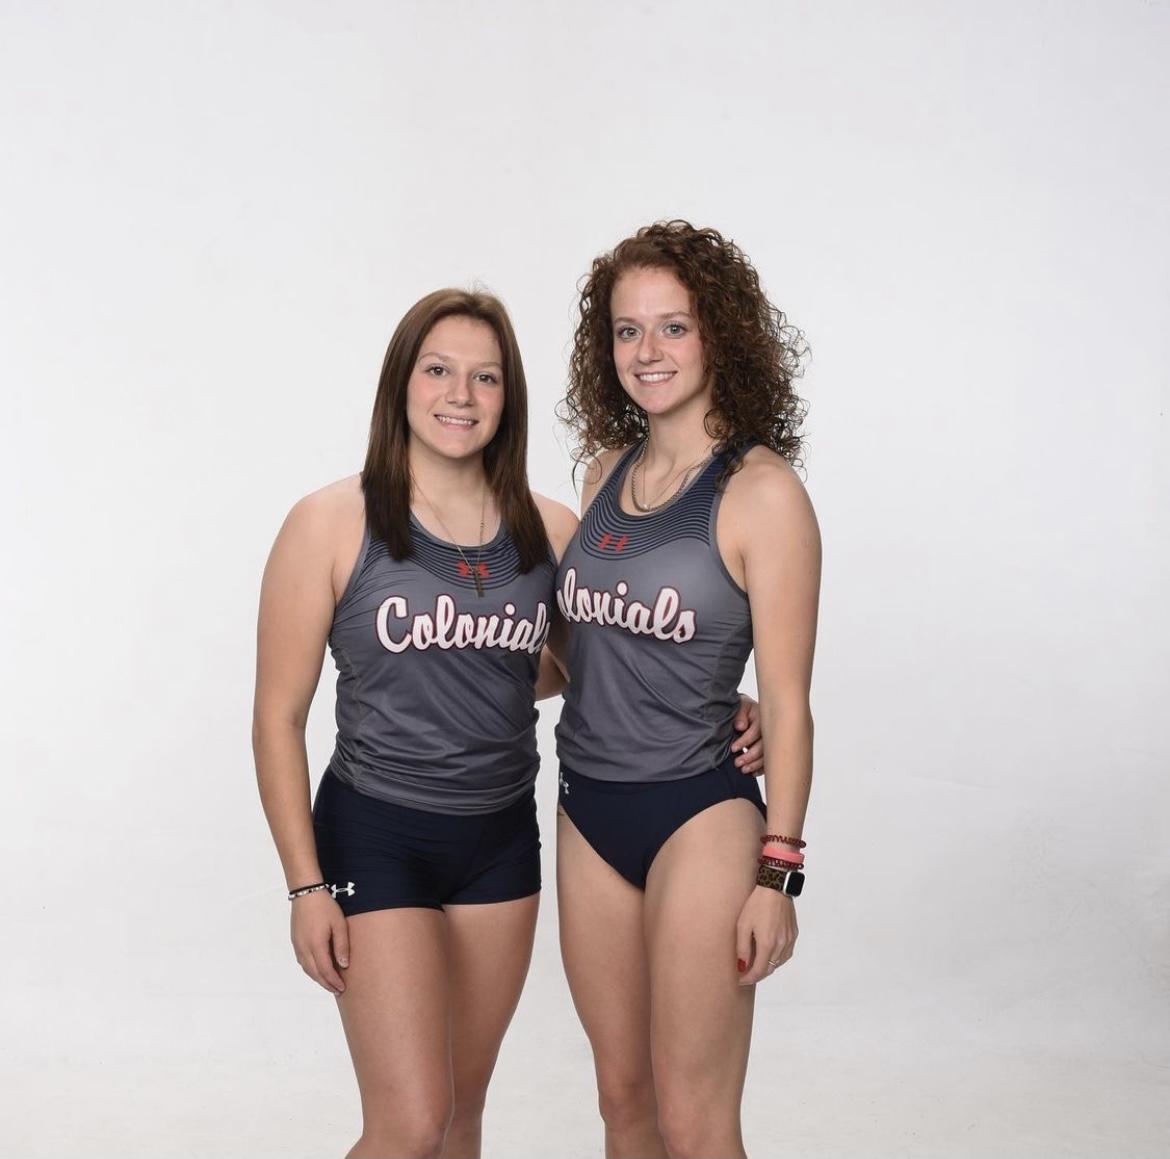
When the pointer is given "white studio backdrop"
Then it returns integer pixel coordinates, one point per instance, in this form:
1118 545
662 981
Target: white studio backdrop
213 217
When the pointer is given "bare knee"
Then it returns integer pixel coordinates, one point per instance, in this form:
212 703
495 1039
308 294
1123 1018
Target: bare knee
626 1101
414 1128
692 1130
467 1111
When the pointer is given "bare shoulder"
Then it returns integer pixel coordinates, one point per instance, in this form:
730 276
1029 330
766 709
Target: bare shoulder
327 512
560 523
342 497
321 535
767 491
597 470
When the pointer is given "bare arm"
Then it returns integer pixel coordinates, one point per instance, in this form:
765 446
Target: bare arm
296 610
781 574
560 524
551 680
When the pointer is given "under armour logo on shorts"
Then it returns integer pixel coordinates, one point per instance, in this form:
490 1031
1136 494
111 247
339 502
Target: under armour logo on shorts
347 889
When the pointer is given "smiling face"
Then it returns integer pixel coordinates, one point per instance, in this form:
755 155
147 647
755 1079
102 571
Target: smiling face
455 393
656 344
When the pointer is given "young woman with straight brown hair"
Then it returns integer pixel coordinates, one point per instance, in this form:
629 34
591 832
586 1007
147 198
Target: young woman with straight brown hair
414 880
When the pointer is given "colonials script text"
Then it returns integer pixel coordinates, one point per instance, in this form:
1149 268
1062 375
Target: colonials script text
666 620
446 628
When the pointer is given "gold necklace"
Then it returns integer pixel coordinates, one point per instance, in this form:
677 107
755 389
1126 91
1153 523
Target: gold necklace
646 508
472 571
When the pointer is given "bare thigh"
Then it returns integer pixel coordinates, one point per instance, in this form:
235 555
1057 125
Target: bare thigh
490 949
702 1017
604 951
395 1010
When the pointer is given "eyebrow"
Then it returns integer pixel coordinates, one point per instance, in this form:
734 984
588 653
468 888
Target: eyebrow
448 358
668 314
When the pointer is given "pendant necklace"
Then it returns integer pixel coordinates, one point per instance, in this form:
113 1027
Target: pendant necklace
477 579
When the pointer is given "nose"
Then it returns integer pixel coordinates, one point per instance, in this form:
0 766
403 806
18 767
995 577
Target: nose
459 390
648 348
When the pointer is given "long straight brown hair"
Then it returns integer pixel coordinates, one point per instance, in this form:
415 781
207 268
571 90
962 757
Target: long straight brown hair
386 474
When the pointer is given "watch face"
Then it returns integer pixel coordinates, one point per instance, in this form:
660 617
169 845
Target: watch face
794 885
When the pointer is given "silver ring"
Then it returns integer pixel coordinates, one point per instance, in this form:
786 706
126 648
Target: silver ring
773 964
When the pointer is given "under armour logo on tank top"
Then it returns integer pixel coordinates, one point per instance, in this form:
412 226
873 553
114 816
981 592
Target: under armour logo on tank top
608 531
660 633
450 620
435 682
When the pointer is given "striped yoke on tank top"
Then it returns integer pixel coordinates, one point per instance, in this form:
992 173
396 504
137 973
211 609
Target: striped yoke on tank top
435 683
659 636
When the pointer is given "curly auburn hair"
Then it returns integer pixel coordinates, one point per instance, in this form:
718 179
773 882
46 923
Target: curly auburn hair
751 352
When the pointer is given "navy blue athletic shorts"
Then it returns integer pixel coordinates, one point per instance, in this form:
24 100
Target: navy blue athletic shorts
627 823
393 857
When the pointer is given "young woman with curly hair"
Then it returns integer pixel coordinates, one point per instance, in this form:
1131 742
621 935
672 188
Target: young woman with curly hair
697 546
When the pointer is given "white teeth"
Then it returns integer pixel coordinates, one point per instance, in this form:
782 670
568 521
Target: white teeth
447 421
658 376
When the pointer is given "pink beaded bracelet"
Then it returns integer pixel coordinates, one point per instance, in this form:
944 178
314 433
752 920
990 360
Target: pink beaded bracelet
784 853
776 863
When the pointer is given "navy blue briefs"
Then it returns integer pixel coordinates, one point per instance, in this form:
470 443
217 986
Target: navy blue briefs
393 857
627 823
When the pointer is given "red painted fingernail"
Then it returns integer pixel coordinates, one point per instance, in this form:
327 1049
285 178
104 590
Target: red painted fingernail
741 964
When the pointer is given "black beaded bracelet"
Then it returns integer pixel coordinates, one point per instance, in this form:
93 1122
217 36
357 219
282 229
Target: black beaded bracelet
301 890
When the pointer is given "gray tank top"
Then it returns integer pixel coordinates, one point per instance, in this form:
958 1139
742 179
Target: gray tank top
659 635
435 684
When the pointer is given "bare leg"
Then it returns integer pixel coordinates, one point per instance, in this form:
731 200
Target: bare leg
702 1017
490 949
603 946
395 1013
